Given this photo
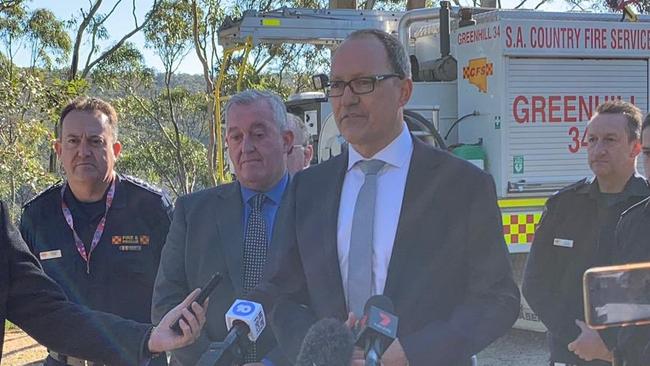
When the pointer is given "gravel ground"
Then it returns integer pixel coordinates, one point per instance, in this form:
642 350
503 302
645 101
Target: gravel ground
516 348
20 349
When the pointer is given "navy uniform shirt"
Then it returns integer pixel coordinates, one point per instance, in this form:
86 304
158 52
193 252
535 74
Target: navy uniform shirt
123 265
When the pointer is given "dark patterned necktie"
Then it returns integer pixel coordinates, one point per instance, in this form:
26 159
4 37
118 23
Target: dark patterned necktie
255 244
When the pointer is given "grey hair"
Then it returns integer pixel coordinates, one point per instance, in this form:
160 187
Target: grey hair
397 57
300 134
250 96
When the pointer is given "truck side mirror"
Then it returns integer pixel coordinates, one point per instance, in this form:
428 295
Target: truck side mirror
320 81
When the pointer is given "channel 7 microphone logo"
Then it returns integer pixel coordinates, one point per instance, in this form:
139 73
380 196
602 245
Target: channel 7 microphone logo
385 319
383 322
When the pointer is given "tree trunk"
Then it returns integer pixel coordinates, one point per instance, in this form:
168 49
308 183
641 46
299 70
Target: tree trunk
209 91
182 173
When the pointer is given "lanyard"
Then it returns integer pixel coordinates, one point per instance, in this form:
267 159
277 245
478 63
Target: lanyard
98 232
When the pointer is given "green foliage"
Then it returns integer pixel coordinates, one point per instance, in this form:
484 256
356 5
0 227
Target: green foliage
39 31
48 37
124 71
157 160
12 29
170 32
25 136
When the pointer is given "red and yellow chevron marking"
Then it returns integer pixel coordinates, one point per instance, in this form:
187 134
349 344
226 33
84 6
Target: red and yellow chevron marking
519 228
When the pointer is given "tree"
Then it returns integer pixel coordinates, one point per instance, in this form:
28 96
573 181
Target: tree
148 151
171 37
12 31
47 36
92 26
123 73
206 17
25 139
9 4
29 97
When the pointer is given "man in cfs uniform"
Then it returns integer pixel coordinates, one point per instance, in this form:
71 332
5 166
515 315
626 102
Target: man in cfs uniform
98 234
577 231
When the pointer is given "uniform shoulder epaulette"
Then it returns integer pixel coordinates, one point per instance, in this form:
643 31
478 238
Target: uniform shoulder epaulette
142 184
44 192
166 201
571 188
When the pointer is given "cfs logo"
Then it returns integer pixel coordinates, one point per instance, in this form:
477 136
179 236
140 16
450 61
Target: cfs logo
477 72
244 308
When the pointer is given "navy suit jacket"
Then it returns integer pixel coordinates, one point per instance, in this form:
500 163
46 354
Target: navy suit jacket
449 276
34 302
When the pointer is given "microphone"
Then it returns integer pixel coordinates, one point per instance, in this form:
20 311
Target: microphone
378 328
327 343
245 322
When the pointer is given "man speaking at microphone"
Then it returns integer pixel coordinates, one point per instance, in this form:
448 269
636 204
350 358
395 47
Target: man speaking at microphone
390 216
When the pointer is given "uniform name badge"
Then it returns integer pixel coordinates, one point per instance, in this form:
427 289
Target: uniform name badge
52 254
130 243
566 243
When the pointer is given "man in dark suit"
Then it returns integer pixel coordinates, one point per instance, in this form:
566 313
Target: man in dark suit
223 229
34 302
437 249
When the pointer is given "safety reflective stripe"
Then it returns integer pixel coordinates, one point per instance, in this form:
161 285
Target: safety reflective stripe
522 202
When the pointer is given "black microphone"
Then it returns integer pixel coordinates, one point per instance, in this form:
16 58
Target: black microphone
245 321
328 342
378 328
230 351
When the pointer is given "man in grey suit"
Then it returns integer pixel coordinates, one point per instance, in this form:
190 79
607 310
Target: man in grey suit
227 228
433 244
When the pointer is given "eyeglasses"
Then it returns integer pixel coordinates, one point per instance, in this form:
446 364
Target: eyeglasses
358 86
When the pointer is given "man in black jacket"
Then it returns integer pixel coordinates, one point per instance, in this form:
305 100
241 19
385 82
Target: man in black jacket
98 234
577 232
31 300
632 234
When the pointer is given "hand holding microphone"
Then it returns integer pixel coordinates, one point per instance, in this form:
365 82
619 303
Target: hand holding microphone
378 334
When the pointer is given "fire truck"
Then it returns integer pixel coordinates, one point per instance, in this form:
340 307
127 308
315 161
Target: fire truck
509 90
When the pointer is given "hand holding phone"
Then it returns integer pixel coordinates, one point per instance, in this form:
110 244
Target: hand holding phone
206 290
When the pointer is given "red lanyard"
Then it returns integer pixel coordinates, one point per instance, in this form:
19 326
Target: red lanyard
98 232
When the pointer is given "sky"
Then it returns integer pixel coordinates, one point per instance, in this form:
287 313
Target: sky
122 21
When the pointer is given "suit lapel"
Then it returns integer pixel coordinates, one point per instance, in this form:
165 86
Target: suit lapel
231 231
331 196
421 178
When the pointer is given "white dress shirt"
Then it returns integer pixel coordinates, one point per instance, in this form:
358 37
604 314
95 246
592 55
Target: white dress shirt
391 181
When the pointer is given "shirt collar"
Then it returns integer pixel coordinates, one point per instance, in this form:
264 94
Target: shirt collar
635 186
396 154
274 194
